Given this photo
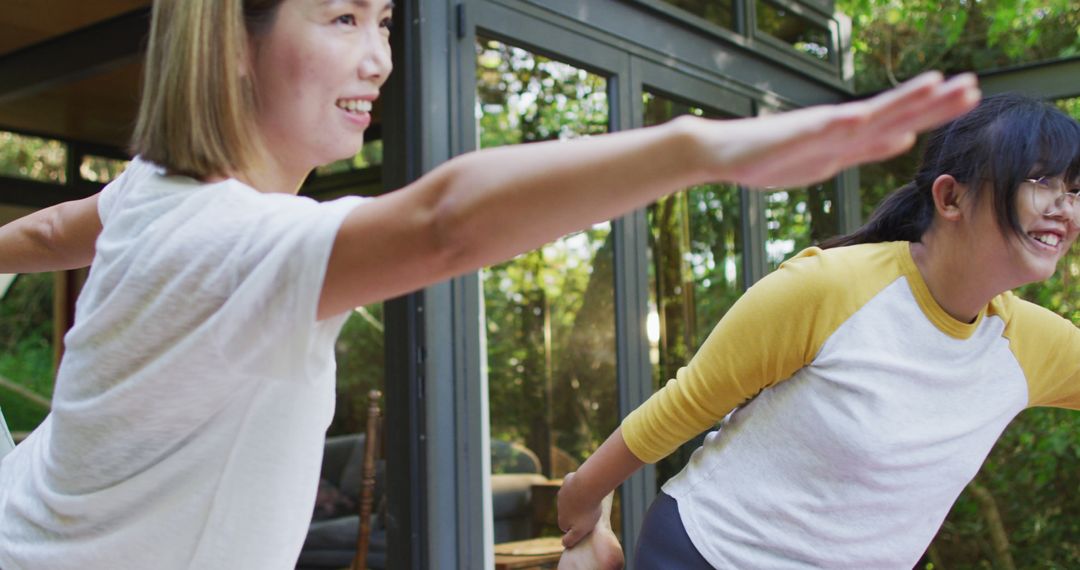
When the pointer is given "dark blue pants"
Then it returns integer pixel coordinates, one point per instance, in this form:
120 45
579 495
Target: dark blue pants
663 543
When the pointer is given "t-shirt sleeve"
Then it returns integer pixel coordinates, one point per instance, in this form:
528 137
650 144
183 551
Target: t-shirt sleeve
112 195
1047 346
777 327
268 325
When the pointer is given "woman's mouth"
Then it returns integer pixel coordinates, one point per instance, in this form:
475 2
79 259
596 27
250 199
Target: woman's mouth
355 106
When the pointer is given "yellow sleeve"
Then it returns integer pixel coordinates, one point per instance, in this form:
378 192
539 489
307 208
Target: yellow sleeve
1047 346
777 327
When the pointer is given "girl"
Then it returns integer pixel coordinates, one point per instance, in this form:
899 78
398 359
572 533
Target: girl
196 386
880 371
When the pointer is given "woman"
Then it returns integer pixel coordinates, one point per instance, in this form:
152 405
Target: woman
879 373
196 386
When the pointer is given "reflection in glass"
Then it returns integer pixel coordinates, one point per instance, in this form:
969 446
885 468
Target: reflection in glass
719 12
21 156
370 155
797 218
331 539
100 169
26 349
696 269
361 358
550 324
802 33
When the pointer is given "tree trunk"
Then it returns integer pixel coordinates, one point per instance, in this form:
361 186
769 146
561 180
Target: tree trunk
998 537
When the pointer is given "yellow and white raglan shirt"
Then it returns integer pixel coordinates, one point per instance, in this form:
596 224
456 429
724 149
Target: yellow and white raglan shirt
863 411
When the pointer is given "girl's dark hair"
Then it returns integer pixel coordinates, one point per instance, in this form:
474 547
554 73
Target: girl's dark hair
993 148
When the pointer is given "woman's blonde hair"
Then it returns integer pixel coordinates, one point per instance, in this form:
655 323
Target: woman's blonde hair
197 113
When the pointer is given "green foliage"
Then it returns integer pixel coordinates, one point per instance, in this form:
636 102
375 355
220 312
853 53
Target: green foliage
32 157
797 218
524 97
719 12
805 35
897 39
696 270
370 155
551 346
100 169
361 367
26 348
550 312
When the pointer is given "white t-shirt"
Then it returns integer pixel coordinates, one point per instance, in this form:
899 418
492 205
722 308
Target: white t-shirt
195 391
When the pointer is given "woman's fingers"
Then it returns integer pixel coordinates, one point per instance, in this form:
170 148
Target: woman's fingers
814 144
937 105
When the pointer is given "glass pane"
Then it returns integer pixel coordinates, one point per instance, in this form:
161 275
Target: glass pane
719 12
695 270
35 158
331 540
797 218
550 320
370 155
100 169
803 34
26 349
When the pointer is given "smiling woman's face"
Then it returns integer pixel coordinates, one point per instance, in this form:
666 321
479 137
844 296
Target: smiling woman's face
316 72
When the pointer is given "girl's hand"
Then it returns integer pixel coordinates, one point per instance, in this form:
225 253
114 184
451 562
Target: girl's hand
813 144
600 550
577 515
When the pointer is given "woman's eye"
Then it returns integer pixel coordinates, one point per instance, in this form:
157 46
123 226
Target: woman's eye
1042 182
347 19
386 23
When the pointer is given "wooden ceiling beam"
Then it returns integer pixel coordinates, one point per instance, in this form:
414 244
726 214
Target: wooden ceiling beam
73 56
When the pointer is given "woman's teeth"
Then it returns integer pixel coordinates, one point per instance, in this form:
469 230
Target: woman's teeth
354 105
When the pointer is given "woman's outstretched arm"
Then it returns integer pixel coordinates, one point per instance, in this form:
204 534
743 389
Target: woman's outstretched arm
485 207
52 239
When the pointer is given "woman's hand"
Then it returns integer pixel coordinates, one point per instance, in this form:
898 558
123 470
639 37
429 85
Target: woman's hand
813 144
600 550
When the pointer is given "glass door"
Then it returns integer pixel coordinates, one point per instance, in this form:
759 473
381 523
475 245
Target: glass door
549 313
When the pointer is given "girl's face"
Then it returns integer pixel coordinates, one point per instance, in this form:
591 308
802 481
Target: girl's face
316 73
1046 236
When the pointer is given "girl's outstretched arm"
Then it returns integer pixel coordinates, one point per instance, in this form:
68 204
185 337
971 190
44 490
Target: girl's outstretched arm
52 239
488 206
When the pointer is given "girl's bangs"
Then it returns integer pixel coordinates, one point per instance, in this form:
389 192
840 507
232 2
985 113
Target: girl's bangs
1059 147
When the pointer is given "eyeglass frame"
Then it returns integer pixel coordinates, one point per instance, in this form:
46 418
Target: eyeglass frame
1063 195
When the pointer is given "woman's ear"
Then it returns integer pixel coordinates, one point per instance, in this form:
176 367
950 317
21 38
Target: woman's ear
947 193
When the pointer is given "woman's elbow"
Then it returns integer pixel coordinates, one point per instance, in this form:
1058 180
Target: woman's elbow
451 237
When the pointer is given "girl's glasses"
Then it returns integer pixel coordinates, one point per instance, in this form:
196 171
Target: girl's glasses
1048 194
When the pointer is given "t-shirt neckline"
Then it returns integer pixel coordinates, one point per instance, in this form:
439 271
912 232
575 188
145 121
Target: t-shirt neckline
945 322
